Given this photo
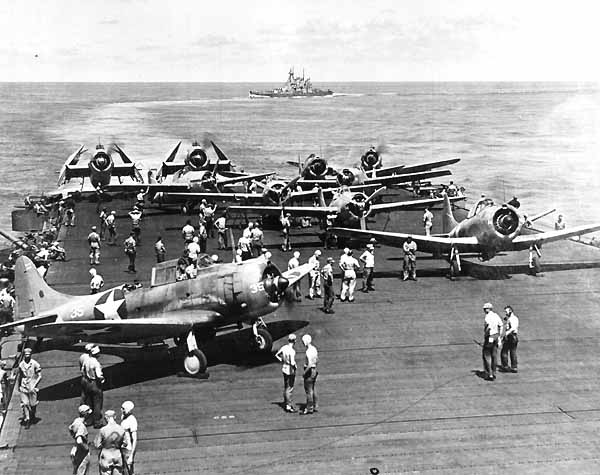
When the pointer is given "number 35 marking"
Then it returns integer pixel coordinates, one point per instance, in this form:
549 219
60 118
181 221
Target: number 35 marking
254 288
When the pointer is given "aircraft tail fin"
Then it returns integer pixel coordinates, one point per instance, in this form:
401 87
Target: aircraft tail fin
33 294
448 221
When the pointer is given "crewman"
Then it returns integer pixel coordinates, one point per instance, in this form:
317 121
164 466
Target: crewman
560 224
188 232
94 242
310 375
328 293
4 375
285 230
110 440
238 256
292 264
191 271
510 342
160 250
349 265
193 249
491 332
70 212
535 267
247 232
102 216
130 425
315 275
287 356
452 189
410 259
112 228
455 266
80 453
514 202
209 219
202 236
220 224
97 281
256 237
428 221
136 224
368 260
29 374
140 198
244 244
7 306
84 383
94 379
129 246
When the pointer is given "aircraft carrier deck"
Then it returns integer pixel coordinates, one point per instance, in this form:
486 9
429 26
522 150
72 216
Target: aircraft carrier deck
400 387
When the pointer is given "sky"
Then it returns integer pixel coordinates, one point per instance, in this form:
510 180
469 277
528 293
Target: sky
242 41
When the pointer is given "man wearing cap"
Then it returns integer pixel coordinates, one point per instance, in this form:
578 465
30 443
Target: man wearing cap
285 231
110 441
80 453
188 232
510 341
97 281
29 374
292 264
314 285
328 293
129 247
349 265
94 378
136 222
427 221
102 218
130 425
209 219
410 259
368 259
193 249
310 375
220 224
491 332
94 242
256 237
160 250
287 356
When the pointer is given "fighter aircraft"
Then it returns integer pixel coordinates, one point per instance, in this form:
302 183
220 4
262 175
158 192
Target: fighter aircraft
346 207
487 230
100 168
221 296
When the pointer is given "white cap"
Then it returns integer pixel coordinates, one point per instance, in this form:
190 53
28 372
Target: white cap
95 350
239 252
195 239
306 339
296 254
92 271
268 255
127 406
317 253
488 305
291 337
84 409
89 347
346 250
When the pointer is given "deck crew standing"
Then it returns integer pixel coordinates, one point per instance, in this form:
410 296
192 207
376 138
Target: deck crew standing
30 374
287 356
315 275
368 259
80 453
188 232
220 224
286 226
136 224
209 219
410 259
328 292
94 242
292 264
110 440
130 425
256 236
129 247
511 340
94 378
310 375
97 282
160 250
102 216
491 332
202 236
111 226
349 265
428 221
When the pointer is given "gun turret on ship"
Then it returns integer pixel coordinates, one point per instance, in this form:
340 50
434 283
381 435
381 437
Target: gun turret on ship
295 86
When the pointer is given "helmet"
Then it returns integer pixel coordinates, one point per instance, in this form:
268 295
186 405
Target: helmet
110 414
306 339
84 409
296 254
370 246
346 250
92 271
291 337
93 228
127 406
195 239
488 305
89 347
317 253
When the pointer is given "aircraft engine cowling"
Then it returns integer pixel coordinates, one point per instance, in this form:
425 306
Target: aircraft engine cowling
505 221
265 295
370 160
346 177
197 159
101 162
359 207
273 193
315 168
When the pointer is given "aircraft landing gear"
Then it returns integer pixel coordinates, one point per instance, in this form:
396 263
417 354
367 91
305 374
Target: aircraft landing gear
195 362
262 340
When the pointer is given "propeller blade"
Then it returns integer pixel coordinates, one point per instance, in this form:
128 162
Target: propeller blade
363 223
173 154
375 194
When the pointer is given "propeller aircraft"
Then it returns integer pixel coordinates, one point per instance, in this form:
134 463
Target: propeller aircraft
220 297
488 230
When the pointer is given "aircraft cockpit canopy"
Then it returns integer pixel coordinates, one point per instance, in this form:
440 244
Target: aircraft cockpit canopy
480 205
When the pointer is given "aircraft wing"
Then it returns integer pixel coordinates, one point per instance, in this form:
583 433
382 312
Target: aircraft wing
239 179
293 210
432 244
413 204
215 196
175 323
525 240
151 187
406 177
423 167
295 274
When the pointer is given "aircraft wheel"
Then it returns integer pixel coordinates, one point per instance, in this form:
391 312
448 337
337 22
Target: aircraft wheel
264 341
195 363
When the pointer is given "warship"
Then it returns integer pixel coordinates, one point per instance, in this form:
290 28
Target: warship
295 86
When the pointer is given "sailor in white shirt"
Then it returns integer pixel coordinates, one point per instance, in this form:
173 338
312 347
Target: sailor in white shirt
368 259
287 356
315 275
492 326
427 221
511 339
310 375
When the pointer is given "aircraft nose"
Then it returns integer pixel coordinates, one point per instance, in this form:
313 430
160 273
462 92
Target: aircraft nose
282 284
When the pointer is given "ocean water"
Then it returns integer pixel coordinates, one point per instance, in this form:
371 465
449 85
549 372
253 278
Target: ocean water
539 141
